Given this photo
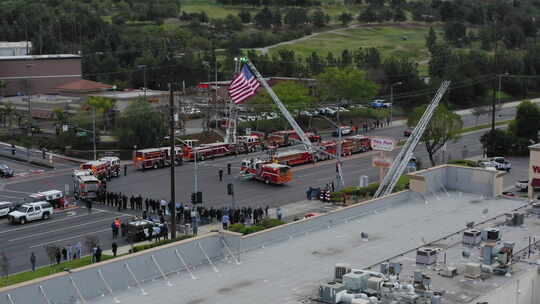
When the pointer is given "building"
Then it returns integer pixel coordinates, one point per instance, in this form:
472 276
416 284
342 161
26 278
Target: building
83 87
123 98
534 169
20 48
288 263
38 74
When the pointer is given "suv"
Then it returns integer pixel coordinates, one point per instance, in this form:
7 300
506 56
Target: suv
6 208
31 212
501 163
6 171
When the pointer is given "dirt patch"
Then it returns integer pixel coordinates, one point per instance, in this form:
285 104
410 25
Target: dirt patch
327 252
196 301
241 284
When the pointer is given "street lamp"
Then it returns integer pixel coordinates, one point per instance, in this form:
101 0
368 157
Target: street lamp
500 86
143 67
392 98
339 146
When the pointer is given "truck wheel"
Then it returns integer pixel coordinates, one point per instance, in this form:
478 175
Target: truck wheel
22 221
201 158
156 166
266 181
46 215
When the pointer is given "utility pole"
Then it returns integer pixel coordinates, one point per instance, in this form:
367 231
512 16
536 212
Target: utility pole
493 99
94 128
173 159
143 67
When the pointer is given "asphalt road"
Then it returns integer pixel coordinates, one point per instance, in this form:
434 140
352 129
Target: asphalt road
71 227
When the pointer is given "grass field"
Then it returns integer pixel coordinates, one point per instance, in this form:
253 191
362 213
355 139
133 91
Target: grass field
389 39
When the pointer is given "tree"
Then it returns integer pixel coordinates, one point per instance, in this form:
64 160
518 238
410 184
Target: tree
443 127
431 39
264 18
245 16
102 106
60 119
527 121
455 32
399 15
345 18
8 110
293 94
367 15
141 125
319 18
479 111
336 84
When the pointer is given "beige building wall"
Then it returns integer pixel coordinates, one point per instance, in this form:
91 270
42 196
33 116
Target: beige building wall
534 163
417 183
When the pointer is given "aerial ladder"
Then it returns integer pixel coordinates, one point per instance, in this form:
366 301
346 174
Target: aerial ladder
303 137
402 159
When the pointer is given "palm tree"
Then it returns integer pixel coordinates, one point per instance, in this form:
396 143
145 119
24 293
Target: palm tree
102 106
60 119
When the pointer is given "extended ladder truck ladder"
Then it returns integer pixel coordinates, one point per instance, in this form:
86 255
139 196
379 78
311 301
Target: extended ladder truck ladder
230 135
402 159
305 140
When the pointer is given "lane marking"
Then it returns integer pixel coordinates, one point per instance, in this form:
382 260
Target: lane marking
56 230
69 238
45 223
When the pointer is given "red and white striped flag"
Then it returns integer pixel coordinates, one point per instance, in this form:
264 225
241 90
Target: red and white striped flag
243 86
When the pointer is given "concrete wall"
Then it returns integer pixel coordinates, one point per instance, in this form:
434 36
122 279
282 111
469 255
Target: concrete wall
465 179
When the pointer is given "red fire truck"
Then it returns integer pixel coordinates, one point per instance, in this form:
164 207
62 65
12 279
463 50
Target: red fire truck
207 151
99 168
156 157
250 143
293 157
286 137
356 144
114 164
269 172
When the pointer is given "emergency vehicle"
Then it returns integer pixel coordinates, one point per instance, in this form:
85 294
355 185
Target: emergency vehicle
207 151
86 187
287 137
293 157
54 197
99 168
269 172
356 144
249 143
156 157
114 164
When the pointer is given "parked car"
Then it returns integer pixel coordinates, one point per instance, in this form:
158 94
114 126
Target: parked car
6 208
501 163
523 185
6 171
345 130
380 104
31 212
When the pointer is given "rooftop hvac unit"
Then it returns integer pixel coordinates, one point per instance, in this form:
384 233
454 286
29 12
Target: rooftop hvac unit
472 270
374 284
436 299
491 235
426 256
328 291
356 281
472 237
340 270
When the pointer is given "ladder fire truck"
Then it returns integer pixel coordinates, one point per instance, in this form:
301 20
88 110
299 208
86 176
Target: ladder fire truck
208 151
293 157
99 168
268 172
156 157
114 164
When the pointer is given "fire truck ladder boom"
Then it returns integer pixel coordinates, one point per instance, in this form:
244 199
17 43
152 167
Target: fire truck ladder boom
402 159
282 108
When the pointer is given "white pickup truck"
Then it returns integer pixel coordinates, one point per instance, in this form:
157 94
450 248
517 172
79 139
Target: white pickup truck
499 163
31 212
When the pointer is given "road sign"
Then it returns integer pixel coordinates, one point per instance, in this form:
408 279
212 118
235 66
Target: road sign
381 162
81 133
382 144
65 128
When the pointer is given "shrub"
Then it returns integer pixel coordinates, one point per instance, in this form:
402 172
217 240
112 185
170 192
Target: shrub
160 243
265 224
463 162
369 190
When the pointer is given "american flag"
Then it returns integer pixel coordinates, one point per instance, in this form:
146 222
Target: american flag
243 86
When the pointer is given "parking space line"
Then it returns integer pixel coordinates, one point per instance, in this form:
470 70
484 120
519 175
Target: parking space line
56 230
45 223
69 238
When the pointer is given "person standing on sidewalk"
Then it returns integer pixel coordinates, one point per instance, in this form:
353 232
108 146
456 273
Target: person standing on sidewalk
114 248
125 170
98 254
220 173
33 261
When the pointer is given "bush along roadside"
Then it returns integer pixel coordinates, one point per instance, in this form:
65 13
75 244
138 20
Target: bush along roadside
368 191
159 243
463 162
265 224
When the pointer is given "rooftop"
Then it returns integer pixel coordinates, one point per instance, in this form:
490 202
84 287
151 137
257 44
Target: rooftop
84 86
131 94
20 44
39 57
291 271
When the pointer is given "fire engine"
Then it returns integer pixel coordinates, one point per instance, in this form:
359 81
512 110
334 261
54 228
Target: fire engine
99 168
114 164
206 151
156 157
269 172
250 143
85 187
286 138
293 157
355 144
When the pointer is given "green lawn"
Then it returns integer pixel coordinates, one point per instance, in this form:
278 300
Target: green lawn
47 270
387 38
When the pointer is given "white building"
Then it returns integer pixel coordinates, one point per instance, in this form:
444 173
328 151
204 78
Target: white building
20 48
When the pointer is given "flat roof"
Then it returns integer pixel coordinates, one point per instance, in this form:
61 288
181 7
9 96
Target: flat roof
131 94
291 271
37 57
20 44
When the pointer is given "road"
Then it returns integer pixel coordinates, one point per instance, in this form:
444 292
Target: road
71 227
